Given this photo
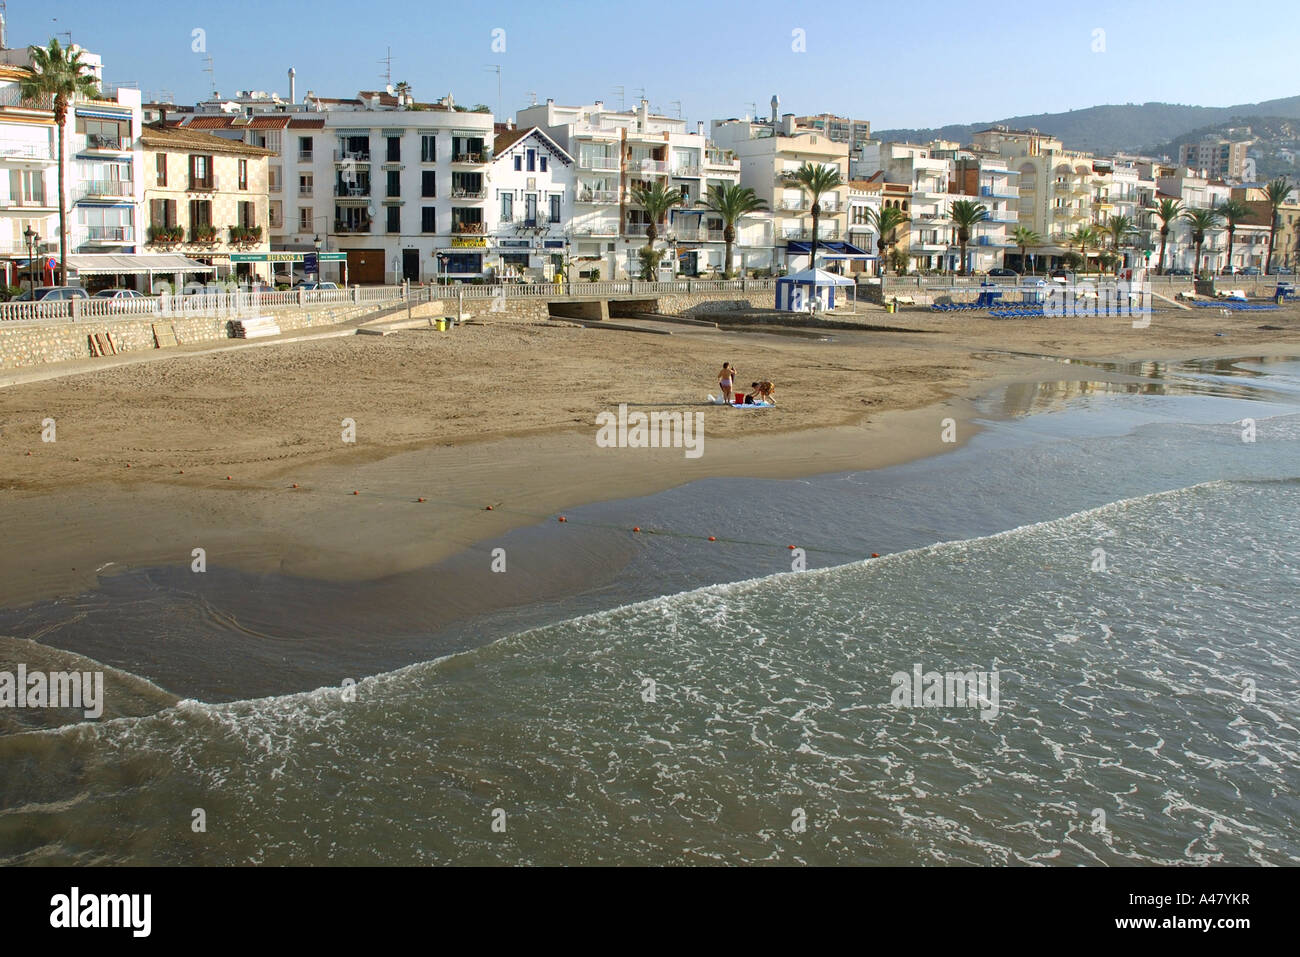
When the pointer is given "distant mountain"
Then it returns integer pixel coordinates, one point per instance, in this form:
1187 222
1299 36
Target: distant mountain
1130 128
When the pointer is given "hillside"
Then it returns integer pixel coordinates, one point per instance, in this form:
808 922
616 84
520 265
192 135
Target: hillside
1130 128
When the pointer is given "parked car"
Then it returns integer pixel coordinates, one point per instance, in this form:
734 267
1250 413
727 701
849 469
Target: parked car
1249 271
52 293
1179 272
1004 273
118 294
309 286
1062 275
1283 270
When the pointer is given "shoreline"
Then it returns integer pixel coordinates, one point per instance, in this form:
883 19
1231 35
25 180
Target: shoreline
76 522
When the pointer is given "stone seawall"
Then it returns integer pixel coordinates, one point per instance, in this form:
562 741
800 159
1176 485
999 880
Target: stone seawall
27 344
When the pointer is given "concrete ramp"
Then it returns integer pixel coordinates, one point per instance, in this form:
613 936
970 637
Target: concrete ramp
594 310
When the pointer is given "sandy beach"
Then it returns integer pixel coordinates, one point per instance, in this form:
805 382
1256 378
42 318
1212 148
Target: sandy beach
496 414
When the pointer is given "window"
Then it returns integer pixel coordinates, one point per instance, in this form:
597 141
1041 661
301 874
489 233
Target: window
304 149
428 220
243 174
27 187
201 172
542 163
429 184
507 207
162 213
304 219
394 182
110 223
105 134
394 149
160 169
275 215
306 182
530 209
555 209
394 219
429 149
532 161
248 214
200 212
519 163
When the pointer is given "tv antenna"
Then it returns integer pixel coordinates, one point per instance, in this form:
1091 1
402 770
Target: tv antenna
387 61
532 97
618 91
640 94
211 71
677 105
496 68
753 110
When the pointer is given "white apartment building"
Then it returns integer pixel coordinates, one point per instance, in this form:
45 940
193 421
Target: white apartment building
102 183
530 206
865 198
987 180
769 151
618 150
399 187
930 239
1197 192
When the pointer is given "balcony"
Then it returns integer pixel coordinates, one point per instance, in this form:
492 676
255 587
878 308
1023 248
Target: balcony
719 159
108 188
203 235
804 235
691 172
166 235
245 235
306 157
470 229
597 161
110 235
793 205
352 226
351 156
599 196
465 192
998 194
651 166
597 229
208 185
99 143
275 186
29 202
21 150
1061 186
472 157
355 191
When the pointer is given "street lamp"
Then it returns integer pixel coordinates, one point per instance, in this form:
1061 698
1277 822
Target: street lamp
32 238
317 243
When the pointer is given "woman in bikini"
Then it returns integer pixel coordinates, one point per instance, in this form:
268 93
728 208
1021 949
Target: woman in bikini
726 378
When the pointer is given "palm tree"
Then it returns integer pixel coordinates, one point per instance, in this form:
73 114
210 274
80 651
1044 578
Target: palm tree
1118 228
1201 221
59 74
965 214
1085 236
1169 211
1233 211
656 200
816 179
1024 237
1276 193
884 221
732 201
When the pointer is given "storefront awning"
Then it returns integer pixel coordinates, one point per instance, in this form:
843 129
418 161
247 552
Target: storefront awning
110 264
835 249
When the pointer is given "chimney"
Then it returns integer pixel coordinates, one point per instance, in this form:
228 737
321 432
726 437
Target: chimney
787 124
292 86
644 114
2 31
599 104
699 128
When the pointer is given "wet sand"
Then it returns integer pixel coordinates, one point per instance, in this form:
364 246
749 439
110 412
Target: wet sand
501 415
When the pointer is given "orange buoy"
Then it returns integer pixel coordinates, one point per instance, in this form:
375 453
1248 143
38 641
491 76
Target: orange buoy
295 484
419 500
636 528
791 547
228 478
875 554
488 508
355 492
29 453
128 464
563 519
712 539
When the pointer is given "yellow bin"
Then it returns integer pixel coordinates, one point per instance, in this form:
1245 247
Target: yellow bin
442 325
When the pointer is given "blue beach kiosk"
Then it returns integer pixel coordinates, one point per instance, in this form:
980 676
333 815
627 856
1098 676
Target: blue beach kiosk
812 289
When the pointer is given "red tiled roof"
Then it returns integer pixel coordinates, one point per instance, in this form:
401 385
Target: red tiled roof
268 122
307 123
209 122
507 140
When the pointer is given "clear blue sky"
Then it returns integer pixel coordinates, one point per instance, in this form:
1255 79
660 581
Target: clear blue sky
896 64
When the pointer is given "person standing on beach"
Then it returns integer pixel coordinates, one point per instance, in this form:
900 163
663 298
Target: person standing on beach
726 378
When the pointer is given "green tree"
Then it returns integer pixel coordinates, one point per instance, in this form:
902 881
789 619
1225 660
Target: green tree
732 201
1118 229
1083 237
1276 194
1233 211
656 200
1201 222
1169 211
885 221
59 75
817 180
1025 238
965 214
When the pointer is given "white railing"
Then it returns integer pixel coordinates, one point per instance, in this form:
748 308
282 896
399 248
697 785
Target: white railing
21 149
606 196
109 187
594 161
219 303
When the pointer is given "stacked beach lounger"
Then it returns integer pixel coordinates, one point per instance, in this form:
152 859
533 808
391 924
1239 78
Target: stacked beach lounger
255 328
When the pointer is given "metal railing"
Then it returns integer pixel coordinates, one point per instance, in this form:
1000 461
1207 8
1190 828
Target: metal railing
22 149
108 187
219 303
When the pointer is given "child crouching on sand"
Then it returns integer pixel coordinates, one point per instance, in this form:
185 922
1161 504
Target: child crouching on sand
764 392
